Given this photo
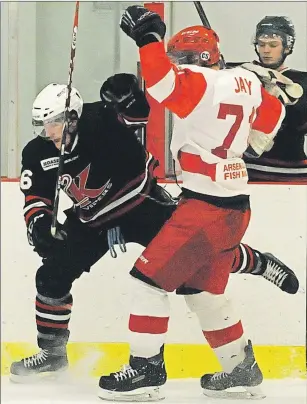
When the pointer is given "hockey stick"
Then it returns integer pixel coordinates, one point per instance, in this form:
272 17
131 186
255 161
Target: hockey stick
65 127
202 14
206 23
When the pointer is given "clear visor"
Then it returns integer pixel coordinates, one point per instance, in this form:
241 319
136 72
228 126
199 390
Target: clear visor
38 128
55 119
38 125
183 57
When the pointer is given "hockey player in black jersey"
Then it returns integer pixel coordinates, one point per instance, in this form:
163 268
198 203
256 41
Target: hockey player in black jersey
109 177
286 160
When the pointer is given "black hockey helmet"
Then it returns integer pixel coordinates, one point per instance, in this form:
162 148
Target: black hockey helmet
279 26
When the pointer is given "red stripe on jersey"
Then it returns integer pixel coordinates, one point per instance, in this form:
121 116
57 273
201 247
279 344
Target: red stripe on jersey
51 325
225 336
34 210
258 177
268 113
31 197
189 86
148 324
130 184
137 180
53 308
278 163
128 206
194 164
131 119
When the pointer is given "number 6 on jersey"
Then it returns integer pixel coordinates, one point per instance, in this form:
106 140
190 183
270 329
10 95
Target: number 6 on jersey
25 180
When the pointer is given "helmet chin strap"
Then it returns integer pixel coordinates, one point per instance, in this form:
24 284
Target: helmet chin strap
72 132
222 63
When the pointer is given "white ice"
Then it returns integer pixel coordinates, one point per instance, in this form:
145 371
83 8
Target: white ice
185 391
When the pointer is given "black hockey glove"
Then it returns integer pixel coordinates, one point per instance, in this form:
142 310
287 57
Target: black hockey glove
142 25
162 196
122 92
40 237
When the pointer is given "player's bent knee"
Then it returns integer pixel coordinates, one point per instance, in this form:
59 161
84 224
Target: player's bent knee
149 300
205 300
213 311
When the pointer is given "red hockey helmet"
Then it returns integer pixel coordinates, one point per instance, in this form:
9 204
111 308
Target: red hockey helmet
194 45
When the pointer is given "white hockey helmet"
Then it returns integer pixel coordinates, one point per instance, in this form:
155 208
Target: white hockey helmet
49 106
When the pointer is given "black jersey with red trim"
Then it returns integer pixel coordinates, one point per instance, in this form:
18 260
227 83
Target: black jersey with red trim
104 173
287 160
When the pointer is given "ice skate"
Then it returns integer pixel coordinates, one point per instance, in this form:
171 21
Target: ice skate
243 382
138 381
279 274
44 364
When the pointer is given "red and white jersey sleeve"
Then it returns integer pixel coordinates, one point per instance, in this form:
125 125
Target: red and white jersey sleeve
269 115
169 85
214 113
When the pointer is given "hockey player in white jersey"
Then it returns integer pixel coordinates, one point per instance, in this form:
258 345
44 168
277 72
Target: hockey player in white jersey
219 115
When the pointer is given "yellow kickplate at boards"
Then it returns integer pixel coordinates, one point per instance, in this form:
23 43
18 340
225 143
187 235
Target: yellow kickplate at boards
182 360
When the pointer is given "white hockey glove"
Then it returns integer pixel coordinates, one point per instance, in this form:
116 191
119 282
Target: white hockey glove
259 143
276 84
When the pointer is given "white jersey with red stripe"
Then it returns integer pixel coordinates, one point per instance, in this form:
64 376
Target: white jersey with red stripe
215 111
217 130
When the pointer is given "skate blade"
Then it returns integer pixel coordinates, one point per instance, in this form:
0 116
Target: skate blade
237 393
143 394
39 377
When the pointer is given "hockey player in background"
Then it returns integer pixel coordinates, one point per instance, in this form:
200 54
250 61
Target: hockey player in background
107 173
286 160
194 250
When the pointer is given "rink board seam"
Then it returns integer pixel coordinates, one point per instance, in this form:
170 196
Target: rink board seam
182 360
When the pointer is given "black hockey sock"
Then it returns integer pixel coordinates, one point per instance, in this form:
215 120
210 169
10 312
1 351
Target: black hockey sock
248 260
52 318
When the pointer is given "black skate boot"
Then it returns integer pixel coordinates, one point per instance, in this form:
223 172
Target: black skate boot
138 381
278 273
45 363
242 382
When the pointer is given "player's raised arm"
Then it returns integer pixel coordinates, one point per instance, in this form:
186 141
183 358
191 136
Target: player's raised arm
123 94
178 89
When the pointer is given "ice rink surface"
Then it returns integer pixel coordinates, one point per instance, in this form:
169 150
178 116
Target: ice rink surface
186 391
